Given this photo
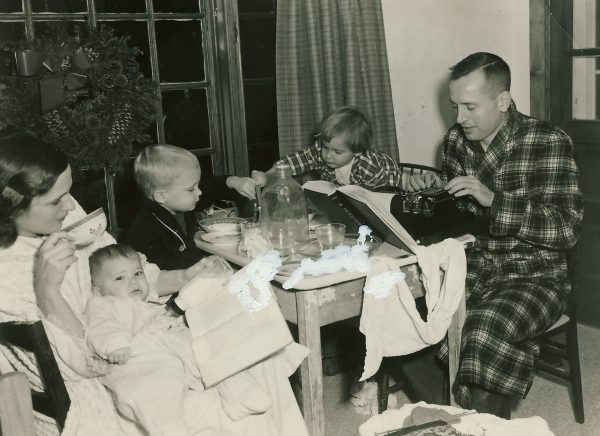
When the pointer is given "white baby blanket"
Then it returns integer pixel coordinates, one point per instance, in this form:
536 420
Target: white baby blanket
390 321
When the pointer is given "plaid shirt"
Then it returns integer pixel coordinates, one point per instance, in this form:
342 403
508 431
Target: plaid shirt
516 273
371 169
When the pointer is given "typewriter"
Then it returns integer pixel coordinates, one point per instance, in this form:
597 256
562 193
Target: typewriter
432 215
425 202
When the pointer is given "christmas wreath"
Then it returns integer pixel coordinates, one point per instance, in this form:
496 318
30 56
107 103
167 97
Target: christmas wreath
83 92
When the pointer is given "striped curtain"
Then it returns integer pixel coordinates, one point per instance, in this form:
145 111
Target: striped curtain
331 53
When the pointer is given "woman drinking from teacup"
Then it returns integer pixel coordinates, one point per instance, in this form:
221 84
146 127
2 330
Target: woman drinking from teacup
46 276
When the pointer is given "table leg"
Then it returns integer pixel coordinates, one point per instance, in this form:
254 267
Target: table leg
454 340
311 370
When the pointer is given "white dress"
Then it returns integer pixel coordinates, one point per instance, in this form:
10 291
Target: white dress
92 411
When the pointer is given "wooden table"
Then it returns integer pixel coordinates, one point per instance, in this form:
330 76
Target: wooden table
322 300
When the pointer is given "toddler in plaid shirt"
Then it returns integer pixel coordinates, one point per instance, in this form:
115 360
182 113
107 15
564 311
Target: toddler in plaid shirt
342 154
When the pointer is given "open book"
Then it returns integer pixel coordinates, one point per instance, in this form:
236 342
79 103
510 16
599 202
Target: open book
355 206
383 213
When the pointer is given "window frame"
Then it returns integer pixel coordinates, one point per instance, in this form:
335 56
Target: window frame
223 78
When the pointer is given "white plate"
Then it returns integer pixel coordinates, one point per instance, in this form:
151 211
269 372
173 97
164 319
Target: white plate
221 238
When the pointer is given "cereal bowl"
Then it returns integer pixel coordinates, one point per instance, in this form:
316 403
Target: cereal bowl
223 224
87 229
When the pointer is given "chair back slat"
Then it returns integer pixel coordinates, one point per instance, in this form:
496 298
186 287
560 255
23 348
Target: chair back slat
54 401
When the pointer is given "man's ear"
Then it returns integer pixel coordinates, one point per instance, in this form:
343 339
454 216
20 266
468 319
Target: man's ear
504 100
159 196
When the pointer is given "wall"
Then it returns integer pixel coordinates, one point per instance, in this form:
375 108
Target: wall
426 37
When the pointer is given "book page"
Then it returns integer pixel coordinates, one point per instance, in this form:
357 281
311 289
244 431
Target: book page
380 203
320 186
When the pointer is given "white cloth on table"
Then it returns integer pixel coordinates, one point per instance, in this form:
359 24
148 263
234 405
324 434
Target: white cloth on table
92 410
477 424
391 323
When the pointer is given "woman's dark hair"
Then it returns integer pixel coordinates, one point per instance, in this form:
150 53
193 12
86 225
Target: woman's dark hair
28 167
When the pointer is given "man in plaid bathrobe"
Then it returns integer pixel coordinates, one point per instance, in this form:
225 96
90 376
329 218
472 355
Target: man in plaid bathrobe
520 172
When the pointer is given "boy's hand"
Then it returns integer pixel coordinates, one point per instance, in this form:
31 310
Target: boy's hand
418 182
259 177
210 266
244 185
120 356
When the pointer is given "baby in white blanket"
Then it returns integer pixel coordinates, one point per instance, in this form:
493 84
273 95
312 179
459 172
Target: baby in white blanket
155 363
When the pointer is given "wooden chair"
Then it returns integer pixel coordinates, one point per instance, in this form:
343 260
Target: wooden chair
454 339
561 358
16 412
54 401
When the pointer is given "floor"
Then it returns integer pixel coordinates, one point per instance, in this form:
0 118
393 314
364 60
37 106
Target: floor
547 399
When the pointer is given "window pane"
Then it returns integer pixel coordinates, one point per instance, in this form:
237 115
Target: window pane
120 6
176 6
256 6
186 118
257 38
180 55
137 31
585 70
11 6
59 5
585 98
206 166
11 35
261 112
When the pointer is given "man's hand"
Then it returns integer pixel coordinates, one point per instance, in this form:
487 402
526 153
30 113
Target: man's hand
244 185
259 177
120 356
463 186
418 182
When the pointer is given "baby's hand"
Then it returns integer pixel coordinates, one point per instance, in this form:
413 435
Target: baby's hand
120 356
259 177
244 185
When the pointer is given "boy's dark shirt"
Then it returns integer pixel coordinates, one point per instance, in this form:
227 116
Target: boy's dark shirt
150 237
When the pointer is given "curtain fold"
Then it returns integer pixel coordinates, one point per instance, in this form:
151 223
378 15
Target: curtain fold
331 53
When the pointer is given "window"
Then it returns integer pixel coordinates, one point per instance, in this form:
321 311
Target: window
182 49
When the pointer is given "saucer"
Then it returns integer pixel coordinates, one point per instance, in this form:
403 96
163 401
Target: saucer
221 238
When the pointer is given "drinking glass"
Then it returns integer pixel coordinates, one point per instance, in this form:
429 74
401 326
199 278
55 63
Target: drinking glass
330 235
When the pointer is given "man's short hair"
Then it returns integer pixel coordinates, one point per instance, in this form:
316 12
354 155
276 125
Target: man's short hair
110 252
496 71
350 123
158 165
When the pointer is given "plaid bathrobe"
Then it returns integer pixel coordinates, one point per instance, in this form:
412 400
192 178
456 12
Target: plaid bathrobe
517 283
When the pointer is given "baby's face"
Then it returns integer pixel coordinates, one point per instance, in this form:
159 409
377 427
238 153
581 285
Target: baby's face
183 193
122 278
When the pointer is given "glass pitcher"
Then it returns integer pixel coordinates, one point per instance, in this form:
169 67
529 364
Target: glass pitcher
283 213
